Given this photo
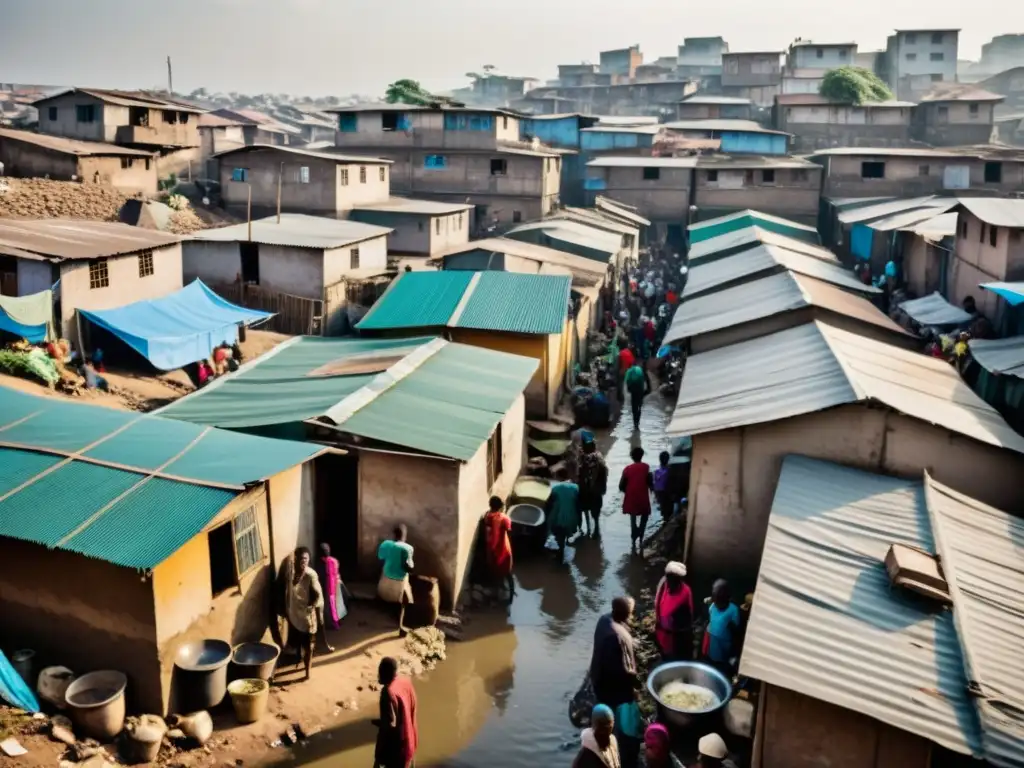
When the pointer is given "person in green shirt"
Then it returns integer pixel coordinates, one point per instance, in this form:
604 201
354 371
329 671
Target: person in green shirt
638 384
563 510
393 587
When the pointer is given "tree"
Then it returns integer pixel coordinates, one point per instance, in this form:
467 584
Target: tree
407 92
854 85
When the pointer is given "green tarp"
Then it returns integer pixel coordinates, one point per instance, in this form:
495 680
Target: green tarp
28 317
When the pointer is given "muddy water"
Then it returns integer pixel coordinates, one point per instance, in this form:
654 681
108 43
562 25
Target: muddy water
501 700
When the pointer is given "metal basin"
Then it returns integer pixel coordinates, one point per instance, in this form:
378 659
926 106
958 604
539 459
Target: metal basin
201 674
694 673
254 660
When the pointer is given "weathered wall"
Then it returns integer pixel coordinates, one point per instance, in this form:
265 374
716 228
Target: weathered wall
81 613
299 271
794 193
337 261
426 129
537 391
125 284
801 732
665 199
139 177
421 492
319 196
912 176
352 190
922 265
66 122
212 262
35 276
735 473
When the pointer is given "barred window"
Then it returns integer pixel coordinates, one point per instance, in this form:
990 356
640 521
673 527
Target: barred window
145 264
99 277
248 547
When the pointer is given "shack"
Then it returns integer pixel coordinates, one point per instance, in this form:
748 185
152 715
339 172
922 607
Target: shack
509 312
834 395
99 575
749 218
432 430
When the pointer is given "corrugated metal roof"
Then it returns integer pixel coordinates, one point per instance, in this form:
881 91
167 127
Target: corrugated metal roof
825 621
71 146
816 366
707 275
65 239
935 228
890 208
1004 356
494 301
408 205
572 232
119 513
704 230
999 212
705 99
766 297
643 162
296 231
720 125
336 157
595 218
980 549
128 99
622 211
651 130
933 309
751 237
586 272
449 405
843 203
278 389
908 218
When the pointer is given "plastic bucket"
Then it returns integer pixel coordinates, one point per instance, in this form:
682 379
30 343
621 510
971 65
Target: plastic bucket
96 704
250 698
250 660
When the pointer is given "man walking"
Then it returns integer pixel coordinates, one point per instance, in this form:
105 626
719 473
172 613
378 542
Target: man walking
397 734
393 587
562 510
638 384
593 482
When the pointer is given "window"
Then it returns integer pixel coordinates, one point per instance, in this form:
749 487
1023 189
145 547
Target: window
800 174
98 275
85 113
936 78
235 549
911 57
362 174
437 226
911 38
353 259
973 109
768 176
982 238
499 167
169 117
494 446
504 121
963 228
872 169
240 174
344 177
51 113
712 175
458 222
435 161
419 226
249 254
820 53
993 173
943 113
1014 235
651 174
923 170
389 121
517 216
126 162
304 174
147 163
382 173
145 264
993 236
347 123
248 546
936 38
842 53
937 57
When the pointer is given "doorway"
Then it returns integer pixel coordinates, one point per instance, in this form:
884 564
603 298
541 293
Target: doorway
337 509
250 253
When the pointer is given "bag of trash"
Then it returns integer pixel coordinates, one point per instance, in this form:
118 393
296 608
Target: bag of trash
582 704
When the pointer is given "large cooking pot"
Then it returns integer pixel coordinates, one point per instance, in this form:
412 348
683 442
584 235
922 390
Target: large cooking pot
694 673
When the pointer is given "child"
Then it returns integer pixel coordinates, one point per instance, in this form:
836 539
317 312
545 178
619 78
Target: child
661 492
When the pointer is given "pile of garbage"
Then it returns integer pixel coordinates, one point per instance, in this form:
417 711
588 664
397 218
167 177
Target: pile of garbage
425 647
48 199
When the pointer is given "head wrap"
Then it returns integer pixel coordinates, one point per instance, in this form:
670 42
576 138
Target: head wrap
601 713
674 568
656 734
713 746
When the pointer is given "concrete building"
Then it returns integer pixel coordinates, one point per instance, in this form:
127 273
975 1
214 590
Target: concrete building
704 107
654 99
699 56
312 270
817 123
659 188
753 75
577 74
825 592
419 228
1010 85
431 428
927 248
807 62
916 59
1001 53
492 89
730 136
325 183
99 265
35 155
867 172
989 248
781 186
470 156
122 584
953 115
621 63
749 405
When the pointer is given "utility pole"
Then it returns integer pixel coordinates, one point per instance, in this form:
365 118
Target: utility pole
280 176
170 78
248 212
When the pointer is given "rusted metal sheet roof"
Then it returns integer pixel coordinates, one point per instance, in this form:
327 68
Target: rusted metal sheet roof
817 366
71 146
64 239
767 297
1003 356
825 621
980 550
706 276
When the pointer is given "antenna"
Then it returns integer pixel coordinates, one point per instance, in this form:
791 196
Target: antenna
170 78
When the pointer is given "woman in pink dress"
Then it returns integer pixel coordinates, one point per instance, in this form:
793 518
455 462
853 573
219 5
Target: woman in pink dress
334 590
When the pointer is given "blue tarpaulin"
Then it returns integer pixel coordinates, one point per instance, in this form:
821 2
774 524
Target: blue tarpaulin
178 329
860 241
1012 292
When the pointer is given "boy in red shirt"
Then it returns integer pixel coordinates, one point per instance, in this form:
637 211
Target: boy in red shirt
636 485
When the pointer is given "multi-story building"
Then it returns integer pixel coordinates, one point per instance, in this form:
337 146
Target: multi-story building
807 62
708 107
955 114
464 155
578 74
916 59
753 75
700 56
496 90
621 63
817 123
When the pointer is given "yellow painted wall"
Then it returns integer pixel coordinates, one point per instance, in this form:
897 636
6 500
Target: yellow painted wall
537 392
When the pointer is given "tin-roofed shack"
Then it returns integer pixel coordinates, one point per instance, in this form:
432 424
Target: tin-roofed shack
98 575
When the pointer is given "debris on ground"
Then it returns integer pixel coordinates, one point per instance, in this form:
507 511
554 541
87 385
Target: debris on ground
49 199
427 647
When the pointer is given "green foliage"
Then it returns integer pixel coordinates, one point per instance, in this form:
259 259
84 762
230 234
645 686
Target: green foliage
408 92
854 85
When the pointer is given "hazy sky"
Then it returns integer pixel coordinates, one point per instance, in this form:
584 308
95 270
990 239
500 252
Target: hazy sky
320 47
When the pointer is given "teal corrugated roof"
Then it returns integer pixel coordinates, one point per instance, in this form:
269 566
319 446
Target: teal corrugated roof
492 301
121 514
421 299
276 389
518 303
447 406
721 225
